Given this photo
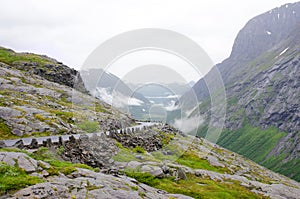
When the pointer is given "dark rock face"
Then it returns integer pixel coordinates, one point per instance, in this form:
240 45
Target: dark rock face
56 72
95 151
43 66
149 139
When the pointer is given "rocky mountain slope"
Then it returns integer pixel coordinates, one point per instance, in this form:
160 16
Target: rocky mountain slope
183 167
152 162
36 102
262 83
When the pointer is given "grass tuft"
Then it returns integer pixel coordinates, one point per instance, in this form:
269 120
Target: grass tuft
14 178
195 187
89 126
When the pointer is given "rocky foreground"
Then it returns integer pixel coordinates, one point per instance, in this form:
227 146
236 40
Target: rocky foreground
183 167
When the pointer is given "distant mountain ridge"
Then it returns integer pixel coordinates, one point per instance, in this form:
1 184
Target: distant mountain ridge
97 78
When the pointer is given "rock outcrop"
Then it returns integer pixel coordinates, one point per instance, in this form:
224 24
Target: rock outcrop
85 183
44 66
23 161
96 151
32 105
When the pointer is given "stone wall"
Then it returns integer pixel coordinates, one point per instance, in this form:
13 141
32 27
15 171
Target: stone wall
34 143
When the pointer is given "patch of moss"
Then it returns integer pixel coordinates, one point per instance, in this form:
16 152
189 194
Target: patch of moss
138 149
13 150
3 101
13 178
60 150
192 160
57 165
134 188
5 131
40 117
5 92
165 137
129 154
9 57
195 187
64 115
142 194
64 98
23 80
160 156
93 187
39 134
89 126
99 108
62 131
119 145
124 155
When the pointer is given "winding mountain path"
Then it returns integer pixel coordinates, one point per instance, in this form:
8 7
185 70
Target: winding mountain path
55 138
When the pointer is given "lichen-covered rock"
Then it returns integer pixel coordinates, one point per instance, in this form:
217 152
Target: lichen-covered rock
85 183
23 161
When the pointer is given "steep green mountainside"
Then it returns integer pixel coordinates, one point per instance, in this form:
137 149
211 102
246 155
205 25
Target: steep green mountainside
262 82
37 99
264 120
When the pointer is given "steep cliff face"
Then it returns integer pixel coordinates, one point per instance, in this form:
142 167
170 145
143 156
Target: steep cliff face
268 89
262 82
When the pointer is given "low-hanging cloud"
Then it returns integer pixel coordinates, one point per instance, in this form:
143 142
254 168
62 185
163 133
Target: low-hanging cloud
187 125
115 98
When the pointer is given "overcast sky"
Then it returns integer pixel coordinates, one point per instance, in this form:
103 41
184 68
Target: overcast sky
70 30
